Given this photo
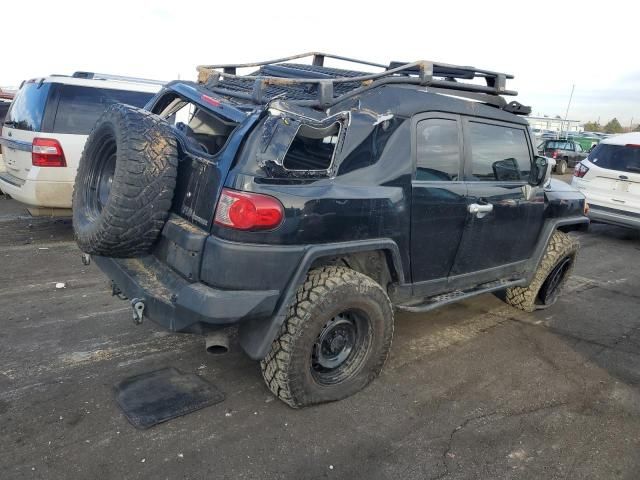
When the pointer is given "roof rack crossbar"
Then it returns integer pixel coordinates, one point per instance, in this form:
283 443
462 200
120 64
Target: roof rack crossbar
119 78
278 74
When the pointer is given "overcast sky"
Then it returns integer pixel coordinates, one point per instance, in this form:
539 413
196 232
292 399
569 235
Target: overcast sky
547 45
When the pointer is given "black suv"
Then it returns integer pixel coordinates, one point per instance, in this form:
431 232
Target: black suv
567 153
302 204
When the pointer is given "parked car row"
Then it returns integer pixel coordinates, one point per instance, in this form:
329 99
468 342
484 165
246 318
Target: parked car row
45 129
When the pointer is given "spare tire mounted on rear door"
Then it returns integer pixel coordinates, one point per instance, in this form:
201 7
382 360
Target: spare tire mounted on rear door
125 182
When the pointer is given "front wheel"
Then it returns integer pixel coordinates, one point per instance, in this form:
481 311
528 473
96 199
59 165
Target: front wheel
550 277
335 339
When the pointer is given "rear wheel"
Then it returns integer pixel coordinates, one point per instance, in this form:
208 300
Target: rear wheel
561 167
554 270
334 341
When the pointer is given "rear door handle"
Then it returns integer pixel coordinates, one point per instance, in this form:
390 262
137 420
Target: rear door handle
480 210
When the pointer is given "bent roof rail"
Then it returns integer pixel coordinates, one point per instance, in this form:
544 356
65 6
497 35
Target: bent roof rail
318 86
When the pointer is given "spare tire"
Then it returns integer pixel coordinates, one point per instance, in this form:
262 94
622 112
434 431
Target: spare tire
125 183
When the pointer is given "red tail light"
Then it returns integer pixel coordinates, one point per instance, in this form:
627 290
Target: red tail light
47 152
210 100
580 170
555 154
248 211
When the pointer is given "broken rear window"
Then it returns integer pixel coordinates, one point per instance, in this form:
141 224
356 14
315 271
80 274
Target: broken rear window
312 148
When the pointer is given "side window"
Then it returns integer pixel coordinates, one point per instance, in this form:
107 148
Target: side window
438 150
203 130
80 107
498 153
579 148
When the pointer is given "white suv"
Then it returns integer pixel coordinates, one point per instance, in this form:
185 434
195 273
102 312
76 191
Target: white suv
47 125
610 179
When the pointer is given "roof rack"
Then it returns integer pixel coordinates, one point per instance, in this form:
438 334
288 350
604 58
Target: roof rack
318 86
119 78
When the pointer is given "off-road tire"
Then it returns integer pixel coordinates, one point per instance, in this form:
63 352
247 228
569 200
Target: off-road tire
326 292
141 191
561 167
560 247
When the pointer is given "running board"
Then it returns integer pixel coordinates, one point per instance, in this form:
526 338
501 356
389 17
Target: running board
432 303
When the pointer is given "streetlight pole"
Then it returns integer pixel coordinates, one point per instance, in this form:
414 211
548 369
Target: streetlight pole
568 105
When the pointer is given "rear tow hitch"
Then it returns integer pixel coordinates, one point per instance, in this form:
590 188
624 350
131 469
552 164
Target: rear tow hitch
138 310
116 292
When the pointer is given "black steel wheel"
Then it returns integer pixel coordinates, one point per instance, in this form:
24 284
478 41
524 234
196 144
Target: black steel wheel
552 285
341 347
334 341
550 277
100 175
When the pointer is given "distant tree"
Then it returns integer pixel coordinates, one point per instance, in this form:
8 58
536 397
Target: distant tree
592 127
613 126
637 129
558 116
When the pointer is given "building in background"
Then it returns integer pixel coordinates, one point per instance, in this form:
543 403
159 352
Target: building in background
558 125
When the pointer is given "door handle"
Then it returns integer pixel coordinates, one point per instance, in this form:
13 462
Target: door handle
480 210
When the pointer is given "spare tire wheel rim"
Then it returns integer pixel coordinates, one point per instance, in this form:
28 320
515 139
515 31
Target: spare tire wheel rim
552 285
341 348
100 177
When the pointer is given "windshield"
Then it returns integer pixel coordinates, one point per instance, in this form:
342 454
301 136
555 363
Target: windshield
27 109
623 158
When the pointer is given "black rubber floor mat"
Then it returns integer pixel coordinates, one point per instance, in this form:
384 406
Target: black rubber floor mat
158 396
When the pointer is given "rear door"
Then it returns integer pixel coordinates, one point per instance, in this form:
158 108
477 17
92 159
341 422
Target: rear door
580 153
22 124
502 224
438 210
614 177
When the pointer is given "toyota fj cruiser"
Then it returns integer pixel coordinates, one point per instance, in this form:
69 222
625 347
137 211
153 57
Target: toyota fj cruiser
302 204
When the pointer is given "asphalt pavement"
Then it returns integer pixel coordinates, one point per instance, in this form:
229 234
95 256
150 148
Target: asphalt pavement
473 390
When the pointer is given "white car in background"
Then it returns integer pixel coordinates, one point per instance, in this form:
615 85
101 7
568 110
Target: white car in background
46 127
610 180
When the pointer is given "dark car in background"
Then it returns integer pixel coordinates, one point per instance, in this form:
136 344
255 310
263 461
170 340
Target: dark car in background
567 153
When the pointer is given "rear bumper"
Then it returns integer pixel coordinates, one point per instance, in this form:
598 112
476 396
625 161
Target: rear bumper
613 216
180 306
36 192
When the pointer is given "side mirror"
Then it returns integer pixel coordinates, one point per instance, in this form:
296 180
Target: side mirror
506 170
540 172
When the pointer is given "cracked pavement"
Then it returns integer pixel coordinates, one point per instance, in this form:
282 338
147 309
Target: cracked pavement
474 390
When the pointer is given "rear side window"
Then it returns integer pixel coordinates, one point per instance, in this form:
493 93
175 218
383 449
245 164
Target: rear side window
498 153
80 107
312 148
556 145
623 158
27 109
202 130
437 150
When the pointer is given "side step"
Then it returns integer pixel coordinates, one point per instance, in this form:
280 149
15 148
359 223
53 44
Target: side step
432 303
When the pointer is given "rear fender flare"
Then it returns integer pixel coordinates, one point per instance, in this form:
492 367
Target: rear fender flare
256 335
